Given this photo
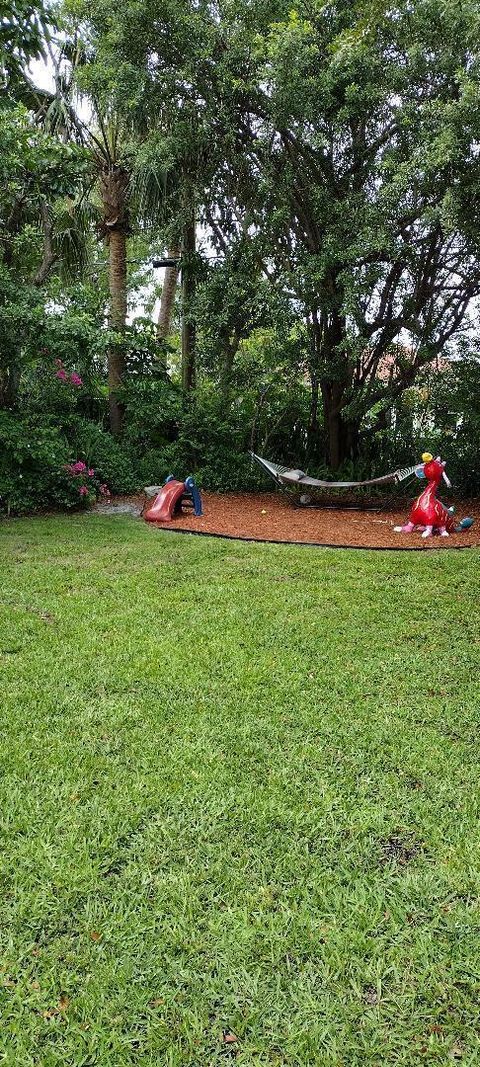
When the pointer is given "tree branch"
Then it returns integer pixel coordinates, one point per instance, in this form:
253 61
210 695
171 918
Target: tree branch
49 256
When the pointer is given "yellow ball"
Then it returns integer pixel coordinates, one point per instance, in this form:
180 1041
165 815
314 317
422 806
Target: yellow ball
427 457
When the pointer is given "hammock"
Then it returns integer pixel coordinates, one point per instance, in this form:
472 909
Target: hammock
286 476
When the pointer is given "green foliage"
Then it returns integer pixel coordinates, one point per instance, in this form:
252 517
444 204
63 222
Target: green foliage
35 339
441 414
36 170
21 312
153 407
454 404
337 149
208 436
33 456
329 154
22 38
35 164
113 461
36 450
57 406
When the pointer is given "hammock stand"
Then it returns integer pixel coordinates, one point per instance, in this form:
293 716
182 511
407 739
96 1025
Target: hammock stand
307 492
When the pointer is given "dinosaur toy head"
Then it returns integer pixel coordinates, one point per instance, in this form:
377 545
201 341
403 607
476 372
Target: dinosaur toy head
434 469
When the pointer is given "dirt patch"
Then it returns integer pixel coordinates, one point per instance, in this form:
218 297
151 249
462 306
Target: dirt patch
272 517
399 849
370 996
119 508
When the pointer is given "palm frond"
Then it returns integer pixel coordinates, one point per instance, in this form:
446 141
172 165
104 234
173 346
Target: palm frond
74 229
152 187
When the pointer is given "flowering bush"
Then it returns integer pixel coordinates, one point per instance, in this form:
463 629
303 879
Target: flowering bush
85 482
35 471
63 375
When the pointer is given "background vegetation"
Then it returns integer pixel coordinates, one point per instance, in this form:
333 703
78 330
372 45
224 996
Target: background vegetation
309 174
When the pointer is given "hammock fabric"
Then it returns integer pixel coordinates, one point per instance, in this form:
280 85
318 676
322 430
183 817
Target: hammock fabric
286 476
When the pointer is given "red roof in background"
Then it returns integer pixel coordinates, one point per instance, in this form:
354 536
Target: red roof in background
386 366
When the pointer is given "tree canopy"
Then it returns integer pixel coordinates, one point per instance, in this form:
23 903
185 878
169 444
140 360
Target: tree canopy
313 170
339 140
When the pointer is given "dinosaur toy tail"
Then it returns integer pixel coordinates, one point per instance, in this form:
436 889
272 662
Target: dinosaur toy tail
465 524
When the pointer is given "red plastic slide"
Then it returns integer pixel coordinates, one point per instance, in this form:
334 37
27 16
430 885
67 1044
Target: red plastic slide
164 505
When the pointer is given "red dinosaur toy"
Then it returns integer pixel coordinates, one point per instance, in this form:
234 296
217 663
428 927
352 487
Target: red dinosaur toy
428 513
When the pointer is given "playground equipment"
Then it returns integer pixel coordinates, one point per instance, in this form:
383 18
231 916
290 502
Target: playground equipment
296 481
428 514
172 498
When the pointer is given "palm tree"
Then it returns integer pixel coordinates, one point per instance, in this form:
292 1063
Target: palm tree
113 188
167 299
114 183
113 193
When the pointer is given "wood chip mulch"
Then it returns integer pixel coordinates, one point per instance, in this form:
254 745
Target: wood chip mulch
272 517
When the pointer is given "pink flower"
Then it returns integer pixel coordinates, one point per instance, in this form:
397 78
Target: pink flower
104 490
76 379
61 375
83 490
91 473
76 468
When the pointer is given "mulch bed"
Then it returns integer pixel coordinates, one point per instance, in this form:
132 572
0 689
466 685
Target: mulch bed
272 517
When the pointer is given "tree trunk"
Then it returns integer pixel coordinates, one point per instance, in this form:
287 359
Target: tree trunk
229 346
188 294
49 257
313 427
9 386
114 182
341 437
315 329
168 297
337 433
118 317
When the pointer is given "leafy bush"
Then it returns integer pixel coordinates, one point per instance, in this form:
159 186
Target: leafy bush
153 412
42 466
455 401
441 414
154 466
210 438
114 461
33 466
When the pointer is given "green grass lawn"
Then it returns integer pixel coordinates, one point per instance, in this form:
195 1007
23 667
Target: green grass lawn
239 798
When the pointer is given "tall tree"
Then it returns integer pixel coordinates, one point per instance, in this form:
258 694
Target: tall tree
355 161
158 91
188 293
114 184
38 175
342 138
118 189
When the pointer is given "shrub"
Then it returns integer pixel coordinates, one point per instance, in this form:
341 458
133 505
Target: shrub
114 461
40 466
153 412
441 414
33 465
